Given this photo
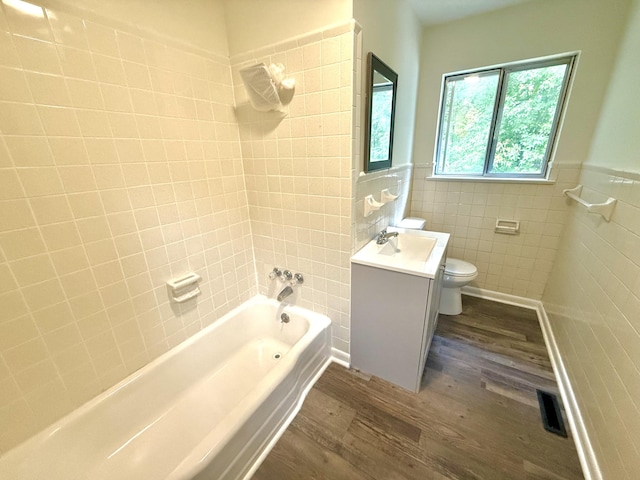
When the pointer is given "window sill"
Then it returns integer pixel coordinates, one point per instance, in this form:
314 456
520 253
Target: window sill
531 181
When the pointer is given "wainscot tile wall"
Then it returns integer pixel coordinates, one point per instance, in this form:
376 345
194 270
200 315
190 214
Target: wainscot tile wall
593 303
120 167
512 264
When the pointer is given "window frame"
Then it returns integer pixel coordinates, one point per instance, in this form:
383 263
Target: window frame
569 59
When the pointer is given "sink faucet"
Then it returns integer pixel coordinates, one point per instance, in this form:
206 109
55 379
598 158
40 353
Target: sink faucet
286 291
383 236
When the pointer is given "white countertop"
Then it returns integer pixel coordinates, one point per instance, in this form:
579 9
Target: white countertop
413 254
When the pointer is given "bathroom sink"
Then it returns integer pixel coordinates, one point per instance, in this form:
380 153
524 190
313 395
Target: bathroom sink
412 251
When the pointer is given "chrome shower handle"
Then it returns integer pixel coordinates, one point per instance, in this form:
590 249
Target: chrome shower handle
276 272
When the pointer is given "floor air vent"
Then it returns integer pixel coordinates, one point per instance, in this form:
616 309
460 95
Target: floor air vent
550 412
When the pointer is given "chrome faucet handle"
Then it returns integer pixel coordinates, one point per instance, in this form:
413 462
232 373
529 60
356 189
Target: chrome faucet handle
384 236
276 272
298 279
287 275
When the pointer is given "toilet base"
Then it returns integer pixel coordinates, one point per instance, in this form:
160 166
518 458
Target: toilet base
451 301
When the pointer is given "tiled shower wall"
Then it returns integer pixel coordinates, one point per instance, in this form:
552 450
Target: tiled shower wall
512 264
120 167
298 171
593 303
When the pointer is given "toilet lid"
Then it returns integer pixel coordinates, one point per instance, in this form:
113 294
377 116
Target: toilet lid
459 268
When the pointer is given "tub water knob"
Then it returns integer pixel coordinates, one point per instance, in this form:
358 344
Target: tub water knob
276 272
287 275
298 279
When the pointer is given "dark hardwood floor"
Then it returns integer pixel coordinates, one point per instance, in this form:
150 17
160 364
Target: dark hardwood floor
476 416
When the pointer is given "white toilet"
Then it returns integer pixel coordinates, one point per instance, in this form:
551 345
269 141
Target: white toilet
457 274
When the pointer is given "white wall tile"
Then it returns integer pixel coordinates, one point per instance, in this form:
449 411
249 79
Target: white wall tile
593 303
93 170
518 264
293 180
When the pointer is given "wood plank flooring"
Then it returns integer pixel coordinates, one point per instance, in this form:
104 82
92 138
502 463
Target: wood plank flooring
476 416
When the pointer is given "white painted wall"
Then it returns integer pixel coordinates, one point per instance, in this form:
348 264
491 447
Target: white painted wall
393 33
616 143
529 30
251 28
197 23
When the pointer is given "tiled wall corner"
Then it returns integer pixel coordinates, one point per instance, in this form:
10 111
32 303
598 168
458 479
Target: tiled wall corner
513 264
297 168
120 167
398 181
593 303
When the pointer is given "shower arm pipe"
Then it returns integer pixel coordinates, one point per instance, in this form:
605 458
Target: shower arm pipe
605 209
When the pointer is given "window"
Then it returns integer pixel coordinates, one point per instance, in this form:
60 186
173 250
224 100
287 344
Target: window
502 122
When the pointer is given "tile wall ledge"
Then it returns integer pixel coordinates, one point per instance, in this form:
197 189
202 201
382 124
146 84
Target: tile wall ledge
328 31
362 177
527 181
612 171
137 30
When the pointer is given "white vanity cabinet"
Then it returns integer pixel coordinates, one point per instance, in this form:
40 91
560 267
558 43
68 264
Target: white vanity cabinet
394 312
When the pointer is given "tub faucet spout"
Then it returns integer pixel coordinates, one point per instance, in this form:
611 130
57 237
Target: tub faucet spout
286 291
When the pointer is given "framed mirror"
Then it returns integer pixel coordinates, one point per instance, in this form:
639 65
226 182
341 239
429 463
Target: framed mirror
382 85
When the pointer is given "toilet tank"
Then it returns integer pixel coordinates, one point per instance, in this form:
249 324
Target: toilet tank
412 223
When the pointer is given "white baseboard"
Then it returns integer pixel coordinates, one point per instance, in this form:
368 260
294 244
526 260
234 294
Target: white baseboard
340 357
501 297
590 467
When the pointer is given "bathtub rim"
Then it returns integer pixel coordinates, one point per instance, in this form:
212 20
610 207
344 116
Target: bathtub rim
287 421
41 437
198 459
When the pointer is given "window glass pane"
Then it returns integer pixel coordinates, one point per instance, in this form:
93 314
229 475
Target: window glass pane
466 123
527 119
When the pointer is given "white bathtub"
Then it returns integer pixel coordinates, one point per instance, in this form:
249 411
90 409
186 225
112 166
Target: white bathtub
207 409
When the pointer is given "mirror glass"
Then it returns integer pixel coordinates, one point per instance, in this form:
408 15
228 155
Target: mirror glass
382 86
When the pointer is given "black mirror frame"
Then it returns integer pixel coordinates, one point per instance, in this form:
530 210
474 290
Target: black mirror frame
375 64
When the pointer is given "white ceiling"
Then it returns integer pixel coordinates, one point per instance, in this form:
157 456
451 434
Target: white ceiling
431 12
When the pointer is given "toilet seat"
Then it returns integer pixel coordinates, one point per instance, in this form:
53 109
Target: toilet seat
459 268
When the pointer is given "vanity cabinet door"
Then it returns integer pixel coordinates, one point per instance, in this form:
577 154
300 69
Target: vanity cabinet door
388 324
431 320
